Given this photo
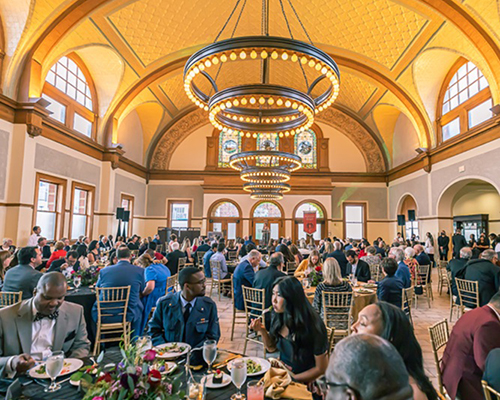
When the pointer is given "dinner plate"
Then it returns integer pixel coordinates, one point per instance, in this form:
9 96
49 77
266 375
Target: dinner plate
370 285
364 291
169 355
209 383
262 361
169 367
70 365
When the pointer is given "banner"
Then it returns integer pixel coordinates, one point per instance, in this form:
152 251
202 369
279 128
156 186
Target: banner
309 222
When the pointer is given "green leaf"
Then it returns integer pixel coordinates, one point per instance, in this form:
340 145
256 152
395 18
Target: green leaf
130 382
87 378
144 368
122 395
76 376
124 355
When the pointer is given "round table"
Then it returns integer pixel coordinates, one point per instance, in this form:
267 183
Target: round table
85 296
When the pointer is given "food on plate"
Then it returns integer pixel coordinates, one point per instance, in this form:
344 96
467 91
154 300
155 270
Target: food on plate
253 366
217 379
171 348
66 368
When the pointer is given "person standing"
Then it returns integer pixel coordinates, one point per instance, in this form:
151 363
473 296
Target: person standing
33 239
458 242
444 246
429 247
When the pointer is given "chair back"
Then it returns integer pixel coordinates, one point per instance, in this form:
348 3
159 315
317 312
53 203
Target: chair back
442 264
255 302
468 293
331 339
489 392
290 268
439 334
422 275
10 298
171 284
159 248
232 254
200 255
216 268
337 310
112 302
375 272
407 303
181 264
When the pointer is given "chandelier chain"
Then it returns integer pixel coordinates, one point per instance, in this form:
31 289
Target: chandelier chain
227 21
300 21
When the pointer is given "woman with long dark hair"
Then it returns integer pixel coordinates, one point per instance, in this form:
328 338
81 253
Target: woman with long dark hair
391 323
93 252
82 256
297 331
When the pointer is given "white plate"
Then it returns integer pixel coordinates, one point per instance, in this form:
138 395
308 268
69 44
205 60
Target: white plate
70 365
226 380
170 356
169 367
262 361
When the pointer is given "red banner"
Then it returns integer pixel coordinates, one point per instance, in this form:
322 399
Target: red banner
309 222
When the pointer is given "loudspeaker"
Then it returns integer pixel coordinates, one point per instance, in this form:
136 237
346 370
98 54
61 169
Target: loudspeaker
126 216
411 215
119 212
401 220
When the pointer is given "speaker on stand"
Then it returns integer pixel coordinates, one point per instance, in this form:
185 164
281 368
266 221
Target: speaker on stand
119 217
126 218
402 222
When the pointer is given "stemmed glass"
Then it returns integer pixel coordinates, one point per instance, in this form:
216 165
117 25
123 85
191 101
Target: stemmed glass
53 367
238 376
209 353
77 280
144 343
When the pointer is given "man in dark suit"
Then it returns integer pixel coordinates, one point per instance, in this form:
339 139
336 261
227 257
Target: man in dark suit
444 246
186 316
492 369
70 262
124 274
202 248
44 248
173 258
359 268
458 242
133 244
339 255
244 275
390 289
380 248
486 273
104 243
24 277
457 267
421 256
474 335
264 278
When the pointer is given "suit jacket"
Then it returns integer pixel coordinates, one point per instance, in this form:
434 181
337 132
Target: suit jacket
492 369
70 332
362 271
457 268
487 276
56 265
46 251
390 289
403 273
264 279
105 246
173 260
381 251
167 324
243 276
444 242
21 278
341 259
423 259
474 335
458 242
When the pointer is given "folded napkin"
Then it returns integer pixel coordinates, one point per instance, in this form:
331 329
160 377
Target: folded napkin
278 384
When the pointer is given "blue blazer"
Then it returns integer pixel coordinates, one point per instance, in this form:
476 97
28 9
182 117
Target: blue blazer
403 273
390 289
243 276
167 324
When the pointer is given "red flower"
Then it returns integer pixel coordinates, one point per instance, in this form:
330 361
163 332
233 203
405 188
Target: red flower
150 355
106 378
73 272
154 377
217 372
318 269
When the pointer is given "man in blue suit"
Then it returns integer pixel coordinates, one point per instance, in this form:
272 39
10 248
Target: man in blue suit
123 273
206 260
390 289
186 316
403 271
244 275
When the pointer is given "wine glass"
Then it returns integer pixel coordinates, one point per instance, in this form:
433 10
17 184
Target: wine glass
77 281
53 367
144 344
238 376
209 353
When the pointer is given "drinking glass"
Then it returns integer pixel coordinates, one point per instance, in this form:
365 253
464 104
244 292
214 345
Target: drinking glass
255 390
238 376
144 344
54 366
77 280
209 353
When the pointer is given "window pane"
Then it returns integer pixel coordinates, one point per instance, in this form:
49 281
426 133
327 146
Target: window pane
275 230
354 231
354 213
51 78
480 113
226 209
267 210
231 230
58 110
446 108
463 96
46 221
47 196
302 235
354 221
258 230
308 207
217 227
71 91
80 202
79 225
82 125
451 129
61 84
126 204
180 215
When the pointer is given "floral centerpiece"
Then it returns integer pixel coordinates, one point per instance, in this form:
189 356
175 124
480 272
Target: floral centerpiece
88 276
138 376
316 276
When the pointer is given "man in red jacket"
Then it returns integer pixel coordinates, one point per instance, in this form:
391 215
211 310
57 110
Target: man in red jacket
472 338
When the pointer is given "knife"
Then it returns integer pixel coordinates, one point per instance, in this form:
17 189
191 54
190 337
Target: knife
224 363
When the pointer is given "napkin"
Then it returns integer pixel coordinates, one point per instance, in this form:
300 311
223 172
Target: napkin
278 384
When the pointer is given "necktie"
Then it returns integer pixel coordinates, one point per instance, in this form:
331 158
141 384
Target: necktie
40 316
187 311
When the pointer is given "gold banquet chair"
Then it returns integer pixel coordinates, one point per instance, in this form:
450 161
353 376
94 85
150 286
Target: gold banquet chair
337 312
375 272
171 284
216 269
239 317
255 303
468 293
199 256
422 279
10 298
442 276
112 302
407 303
439 334
181 263
489 392
290 268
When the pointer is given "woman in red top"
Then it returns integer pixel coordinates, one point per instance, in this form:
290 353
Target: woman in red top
58 253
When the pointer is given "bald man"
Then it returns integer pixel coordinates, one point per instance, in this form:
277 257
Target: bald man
31 329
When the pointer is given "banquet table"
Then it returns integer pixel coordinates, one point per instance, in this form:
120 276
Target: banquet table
85 296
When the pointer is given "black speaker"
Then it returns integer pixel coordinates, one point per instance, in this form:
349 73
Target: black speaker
411 215
119 212
401 220
126 216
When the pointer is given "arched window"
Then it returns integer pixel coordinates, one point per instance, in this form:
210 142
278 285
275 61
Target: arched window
268 140
465 98
267 214
225 219
308 206
267 210
229 144
226 209
305 147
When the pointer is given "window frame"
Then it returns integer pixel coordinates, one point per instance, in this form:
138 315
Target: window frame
462 110
170 203
364 205
131 200
89 226
323 221
212 219
60 198
72 106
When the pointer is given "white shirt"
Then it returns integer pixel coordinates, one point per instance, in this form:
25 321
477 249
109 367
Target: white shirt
33 240
354 268
497 248
42 336
184 302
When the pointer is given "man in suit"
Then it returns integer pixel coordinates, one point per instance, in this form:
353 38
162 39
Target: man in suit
492 369
403 272
421 256
186 316
133 244
380 248
67 245
458 242
24 277
359 268
104 243
32 329
202 248
33 239
457 267
244 275
124 274
474 335
111 241
68 264
444 246
390 289
339 255
206 260
486 273
173 258
44 248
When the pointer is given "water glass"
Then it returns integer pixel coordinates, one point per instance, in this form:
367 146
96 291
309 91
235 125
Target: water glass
144 343
54 366
209 353
238 376
255 390
77 280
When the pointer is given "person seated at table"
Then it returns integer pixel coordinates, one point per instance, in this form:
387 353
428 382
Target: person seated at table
332 282
187 316
391 323
206 259
244 275
93 252
124 274
262 263
186 249
219 257
296 254
44 248
294 323
5 259
339 255
31 329
347 379
104 243
157 255
390 289
173 257
82 257
24 277
403 271
357 267
58 253
492 369
67 264
307 265
285 250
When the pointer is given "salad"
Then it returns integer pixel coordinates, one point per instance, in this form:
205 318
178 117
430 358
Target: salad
41 369
253 367
170 348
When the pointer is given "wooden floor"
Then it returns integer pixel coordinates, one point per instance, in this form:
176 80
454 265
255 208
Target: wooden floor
423 317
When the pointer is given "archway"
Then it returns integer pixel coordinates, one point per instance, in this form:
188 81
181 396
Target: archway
298 218
225 216
407 207
267 212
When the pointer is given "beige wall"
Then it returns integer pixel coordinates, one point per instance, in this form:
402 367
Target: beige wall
130 136
192 152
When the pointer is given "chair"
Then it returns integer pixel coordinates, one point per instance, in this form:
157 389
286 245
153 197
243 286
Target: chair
232 254
407 303
489 392
112 302
255 303
171 284
422 279
181 264
290 268
442 276
337 312
439 333
199 258
468 293
159 248
453 298
239 317
331 339
375 272
215 267
10 298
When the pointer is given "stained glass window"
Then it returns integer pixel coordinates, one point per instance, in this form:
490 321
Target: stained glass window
271 140
227 210
305 147
267 210
229 144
